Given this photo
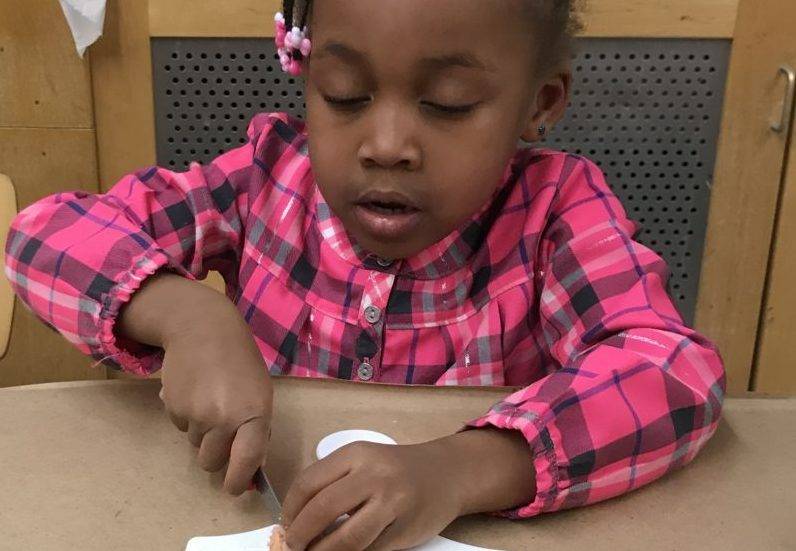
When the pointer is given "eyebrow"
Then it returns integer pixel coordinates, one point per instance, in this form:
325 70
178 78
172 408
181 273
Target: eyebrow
460 59
342 51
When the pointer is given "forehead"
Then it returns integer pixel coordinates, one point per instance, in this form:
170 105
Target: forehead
402 32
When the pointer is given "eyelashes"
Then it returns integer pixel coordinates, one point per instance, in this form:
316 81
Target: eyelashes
355 103
347 104
451 109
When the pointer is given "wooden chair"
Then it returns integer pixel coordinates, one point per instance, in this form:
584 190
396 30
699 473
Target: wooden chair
8 210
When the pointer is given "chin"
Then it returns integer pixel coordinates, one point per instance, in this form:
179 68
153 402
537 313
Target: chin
393 249
396 250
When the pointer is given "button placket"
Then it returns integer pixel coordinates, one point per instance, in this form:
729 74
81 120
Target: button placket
377 290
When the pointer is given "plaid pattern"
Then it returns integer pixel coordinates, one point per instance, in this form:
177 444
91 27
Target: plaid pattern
543 289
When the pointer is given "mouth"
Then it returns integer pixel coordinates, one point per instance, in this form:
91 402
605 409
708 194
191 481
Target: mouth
387 215
387 202
386 208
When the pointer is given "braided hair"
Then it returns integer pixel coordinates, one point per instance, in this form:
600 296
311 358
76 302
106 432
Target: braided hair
559 18
296 13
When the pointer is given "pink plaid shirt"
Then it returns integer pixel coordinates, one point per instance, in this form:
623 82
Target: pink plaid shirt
543 289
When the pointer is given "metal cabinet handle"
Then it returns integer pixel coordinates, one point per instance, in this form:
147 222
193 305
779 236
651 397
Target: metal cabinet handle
787 107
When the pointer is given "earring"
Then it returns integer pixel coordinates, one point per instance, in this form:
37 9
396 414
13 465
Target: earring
542 130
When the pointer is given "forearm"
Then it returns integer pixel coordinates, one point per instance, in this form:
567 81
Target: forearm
494 469
169 305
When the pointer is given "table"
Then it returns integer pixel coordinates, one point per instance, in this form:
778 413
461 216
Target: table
98 465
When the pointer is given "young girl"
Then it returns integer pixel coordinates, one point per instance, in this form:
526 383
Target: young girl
398 237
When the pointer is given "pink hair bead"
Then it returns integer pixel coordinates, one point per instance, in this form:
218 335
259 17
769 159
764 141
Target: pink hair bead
294 38
294 68
290 44
306 47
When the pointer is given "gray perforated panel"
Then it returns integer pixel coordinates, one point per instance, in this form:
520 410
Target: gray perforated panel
207 90
647 111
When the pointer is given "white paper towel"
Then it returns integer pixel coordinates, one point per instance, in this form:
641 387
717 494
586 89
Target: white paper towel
86 19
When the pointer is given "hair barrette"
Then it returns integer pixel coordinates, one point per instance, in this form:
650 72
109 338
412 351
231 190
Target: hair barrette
292 46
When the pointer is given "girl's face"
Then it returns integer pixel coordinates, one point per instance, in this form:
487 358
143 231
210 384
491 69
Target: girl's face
414 109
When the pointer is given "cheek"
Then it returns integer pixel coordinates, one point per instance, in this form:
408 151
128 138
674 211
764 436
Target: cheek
468 167
463 189
329 151
328 169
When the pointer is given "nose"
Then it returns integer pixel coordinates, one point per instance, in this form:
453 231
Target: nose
390 141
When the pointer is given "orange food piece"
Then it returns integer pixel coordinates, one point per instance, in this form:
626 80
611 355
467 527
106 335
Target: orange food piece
278 540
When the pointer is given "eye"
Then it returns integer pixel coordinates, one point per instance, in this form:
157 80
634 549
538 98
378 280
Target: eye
347 104
444 109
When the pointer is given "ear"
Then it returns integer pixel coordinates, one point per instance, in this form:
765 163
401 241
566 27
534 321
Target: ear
548 106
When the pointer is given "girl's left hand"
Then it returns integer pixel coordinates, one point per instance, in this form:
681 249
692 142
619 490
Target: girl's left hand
402 496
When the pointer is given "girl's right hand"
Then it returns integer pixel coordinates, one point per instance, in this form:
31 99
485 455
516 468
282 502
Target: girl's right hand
216 386
217 389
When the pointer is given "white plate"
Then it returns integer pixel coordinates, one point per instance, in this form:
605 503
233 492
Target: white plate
337 440
258 541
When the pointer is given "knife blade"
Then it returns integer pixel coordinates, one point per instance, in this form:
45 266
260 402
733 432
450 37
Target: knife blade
263 485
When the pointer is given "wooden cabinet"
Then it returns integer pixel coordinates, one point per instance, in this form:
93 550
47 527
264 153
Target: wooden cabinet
43 83
47 145
776 362
746 186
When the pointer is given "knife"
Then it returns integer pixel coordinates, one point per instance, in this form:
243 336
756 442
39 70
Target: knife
265 488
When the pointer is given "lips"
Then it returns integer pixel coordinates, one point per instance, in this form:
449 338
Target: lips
387 215
387 201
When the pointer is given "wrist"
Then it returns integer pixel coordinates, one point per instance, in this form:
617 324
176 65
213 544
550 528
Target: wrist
491 470
169 308
201 315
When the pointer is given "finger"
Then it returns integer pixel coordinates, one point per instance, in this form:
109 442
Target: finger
195 433
215 448
324 508
247 454
358 532
179 422
312 480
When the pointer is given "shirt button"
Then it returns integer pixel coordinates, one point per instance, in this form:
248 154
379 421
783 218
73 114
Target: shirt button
365 371
384 262
372 314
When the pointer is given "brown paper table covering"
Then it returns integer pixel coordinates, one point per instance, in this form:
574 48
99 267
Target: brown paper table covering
98 466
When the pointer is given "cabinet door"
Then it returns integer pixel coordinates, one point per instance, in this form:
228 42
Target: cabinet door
43 82
746 186
41 162
776 361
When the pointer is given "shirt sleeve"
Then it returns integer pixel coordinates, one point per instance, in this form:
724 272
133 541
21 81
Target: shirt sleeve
632 392
75 258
